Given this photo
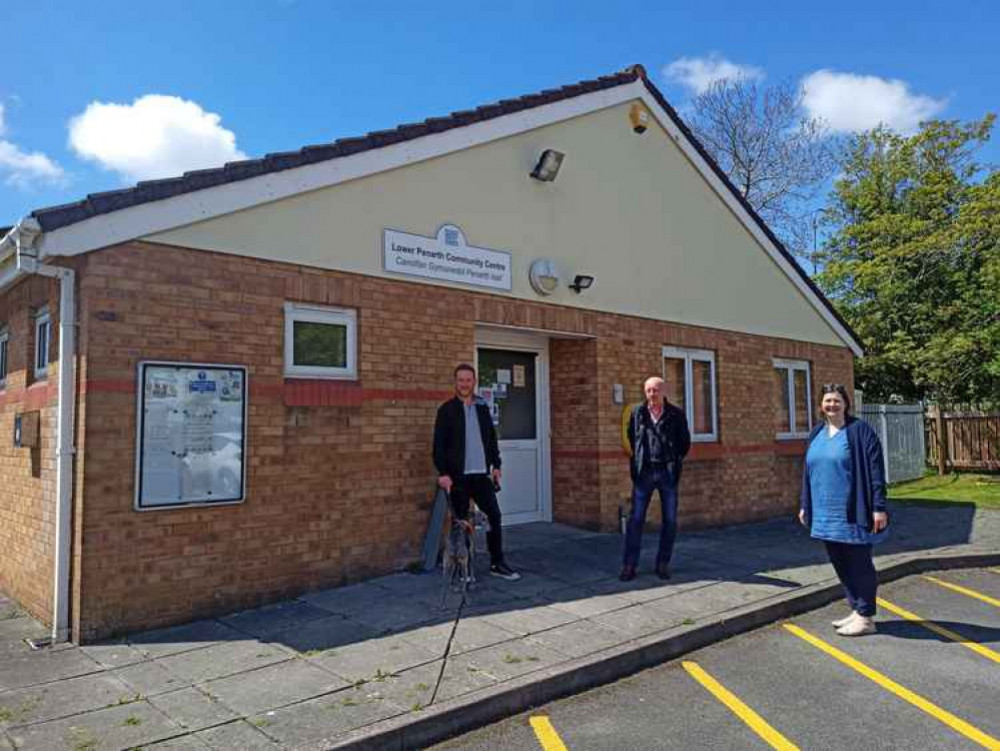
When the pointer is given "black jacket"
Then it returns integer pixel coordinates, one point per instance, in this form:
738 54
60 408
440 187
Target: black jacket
449 438
674 434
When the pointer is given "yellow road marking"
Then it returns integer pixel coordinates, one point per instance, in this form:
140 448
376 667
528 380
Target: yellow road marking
546 734
756 723
965 591
955 723
986 652
995 570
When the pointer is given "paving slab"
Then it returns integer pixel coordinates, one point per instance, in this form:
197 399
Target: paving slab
237 736
473 632
327 717
183 638
113 654
379 656
269 620
324 634
192 709
511 659
52 701
44 666
184 743
579 638
111 729
229 658
413 689
149 678
531 617
274 686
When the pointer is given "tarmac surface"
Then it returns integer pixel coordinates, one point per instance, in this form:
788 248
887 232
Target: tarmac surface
381 665
808 697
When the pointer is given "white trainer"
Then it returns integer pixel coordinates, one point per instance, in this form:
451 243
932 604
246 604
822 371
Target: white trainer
844 621
860 626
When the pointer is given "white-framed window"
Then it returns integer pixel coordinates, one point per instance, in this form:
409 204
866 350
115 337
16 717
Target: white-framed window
792 398
689 378
43 336
4 350
320 342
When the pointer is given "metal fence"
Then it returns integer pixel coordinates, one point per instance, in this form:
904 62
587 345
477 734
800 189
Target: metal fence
900 428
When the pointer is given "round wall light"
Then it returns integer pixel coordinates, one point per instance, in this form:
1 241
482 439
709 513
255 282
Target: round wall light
544 276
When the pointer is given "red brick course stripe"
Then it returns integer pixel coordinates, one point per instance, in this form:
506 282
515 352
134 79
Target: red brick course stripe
34 397
298 392
699 451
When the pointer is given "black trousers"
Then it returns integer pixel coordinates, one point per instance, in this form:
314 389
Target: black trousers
856 571
480 489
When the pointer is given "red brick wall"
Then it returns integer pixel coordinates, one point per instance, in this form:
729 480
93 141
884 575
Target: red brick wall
27 476
342 491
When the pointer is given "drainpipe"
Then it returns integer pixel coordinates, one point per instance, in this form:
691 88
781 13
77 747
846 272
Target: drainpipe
25 236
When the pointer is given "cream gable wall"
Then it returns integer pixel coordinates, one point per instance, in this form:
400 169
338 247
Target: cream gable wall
628 209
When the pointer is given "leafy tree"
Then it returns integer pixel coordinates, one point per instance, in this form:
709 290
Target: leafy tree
913 262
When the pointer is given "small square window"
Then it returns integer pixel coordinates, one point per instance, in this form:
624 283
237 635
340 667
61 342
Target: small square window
43 335
792 398
4 349
320 342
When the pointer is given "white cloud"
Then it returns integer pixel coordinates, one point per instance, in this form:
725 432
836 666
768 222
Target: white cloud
155 136
23 169
698 73
847 102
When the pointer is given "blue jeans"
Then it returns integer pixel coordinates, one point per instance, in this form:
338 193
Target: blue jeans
642 493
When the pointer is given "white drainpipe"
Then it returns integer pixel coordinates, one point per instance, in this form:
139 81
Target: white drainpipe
24 236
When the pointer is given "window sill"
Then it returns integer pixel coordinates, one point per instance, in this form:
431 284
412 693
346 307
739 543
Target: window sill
792 436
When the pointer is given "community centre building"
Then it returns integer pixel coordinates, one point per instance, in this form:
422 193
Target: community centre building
218 390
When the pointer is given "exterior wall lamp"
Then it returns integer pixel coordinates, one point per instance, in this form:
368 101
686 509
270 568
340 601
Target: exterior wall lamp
581 282
544 276
548 165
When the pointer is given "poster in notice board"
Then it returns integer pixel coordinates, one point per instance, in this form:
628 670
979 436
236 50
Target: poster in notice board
191 437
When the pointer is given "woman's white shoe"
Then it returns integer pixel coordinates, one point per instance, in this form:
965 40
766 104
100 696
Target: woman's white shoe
858 627
840 622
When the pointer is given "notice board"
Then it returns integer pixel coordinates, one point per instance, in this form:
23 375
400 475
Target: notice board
191 437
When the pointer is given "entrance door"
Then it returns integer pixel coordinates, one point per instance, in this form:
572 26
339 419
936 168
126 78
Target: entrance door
512 382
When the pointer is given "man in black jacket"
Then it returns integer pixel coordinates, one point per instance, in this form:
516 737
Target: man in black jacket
467 457
659 436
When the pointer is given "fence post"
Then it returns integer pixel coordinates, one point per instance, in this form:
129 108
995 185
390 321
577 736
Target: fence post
885 443
942 441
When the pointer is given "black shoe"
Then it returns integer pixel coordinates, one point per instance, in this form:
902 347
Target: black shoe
663 571
504 572
627 573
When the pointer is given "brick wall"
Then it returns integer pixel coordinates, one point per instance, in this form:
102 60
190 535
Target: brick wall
27 475
339 476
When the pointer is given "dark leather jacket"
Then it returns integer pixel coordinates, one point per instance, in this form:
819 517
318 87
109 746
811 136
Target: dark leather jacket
672 429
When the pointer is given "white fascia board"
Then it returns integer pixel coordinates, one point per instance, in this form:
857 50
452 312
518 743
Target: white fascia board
158 216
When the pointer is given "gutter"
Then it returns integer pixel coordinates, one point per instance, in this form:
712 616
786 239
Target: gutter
21 243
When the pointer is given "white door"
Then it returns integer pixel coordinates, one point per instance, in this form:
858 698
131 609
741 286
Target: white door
513 382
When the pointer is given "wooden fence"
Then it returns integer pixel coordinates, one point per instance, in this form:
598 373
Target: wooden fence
971 439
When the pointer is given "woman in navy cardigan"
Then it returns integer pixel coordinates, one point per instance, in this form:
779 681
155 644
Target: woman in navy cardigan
843 503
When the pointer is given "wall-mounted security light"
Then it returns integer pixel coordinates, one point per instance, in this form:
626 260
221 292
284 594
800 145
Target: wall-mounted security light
638 115
581 282
548 165
544 276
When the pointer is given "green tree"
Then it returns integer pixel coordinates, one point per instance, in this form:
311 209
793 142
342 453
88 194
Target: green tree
913 262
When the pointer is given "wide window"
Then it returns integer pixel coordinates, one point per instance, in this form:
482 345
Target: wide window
689 376
43 332
792 398
4 339
320 342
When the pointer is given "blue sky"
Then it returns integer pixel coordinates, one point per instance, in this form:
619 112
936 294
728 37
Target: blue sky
97 95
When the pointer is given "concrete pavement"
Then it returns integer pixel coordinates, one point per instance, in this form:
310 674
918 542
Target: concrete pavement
357 667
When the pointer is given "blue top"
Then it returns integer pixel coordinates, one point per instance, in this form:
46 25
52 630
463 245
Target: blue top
829 466
475 456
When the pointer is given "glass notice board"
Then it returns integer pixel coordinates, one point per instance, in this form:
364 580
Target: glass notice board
191 437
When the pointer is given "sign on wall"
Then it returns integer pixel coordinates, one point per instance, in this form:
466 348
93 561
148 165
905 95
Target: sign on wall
446 257
191 437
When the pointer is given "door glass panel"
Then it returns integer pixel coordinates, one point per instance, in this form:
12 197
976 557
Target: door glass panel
701 377
507 383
